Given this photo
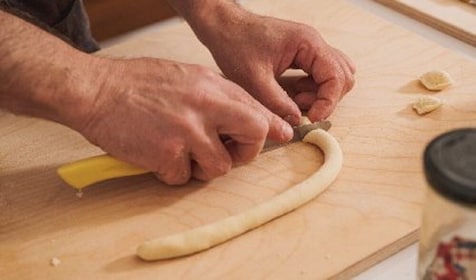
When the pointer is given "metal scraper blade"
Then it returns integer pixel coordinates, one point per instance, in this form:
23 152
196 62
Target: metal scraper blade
299 133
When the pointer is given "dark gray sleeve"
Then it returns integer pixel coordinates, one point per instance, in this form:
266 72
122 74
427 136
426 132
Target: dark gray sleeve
66 19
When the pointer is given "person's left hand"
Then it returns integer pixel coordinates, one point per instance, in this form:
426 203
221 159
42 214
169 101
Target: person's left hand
254 51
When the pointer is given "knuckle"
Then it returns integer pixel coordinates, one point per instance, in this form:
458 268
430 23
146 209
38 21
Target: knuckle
174 150
310 32
338 78
171 167
204 93
351 81
351 78
186 124
206 73
202 97
216 168
311 36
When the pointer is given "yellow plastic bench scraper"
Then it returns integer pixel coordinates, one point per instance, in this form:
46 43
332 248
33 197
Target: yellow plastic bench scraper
88 171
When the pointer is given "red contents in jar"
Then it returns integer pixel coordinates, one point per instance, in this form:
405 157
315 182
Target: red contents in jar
454 260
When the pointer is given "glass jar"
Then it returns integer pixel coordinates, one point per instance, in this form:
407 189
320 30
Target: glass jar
448 232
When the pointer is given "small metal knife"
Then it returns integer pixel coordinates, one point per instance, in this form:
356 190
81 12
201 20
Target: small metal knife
85 172
299 133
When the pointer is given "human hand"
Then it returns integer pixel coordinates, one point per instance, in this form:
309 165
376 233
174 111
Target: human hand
172 118
254 51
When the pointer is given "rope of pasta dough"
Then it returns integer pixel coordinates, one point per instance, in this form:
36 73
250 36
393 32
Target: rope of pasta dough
207 236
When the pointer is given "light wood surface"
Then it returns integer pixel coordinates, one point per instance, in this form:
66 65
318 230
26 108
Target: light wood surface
369 213
453 17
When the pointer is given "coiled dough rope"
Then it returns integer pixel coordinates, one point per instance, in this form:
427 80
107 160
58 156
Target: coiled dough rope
207 236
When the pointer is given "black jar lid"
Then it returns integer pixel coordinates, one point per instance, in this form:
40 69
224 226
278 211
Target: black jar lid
450 165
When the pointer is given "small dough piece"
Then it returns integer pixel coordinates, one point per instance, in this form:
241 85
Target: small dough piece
436 80
427 104
55 262
304 120
207 236
79 194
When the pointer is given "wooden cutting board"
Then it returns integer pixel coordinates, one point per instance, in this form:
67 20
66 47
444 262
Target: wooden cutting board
369 213
453 17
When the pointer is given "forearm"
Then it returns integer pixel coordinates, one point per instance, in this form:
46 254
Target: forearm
194 9
207 17
39 73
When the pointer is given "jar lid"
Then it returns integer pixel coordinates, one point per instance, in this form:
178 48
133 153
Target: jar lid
450 165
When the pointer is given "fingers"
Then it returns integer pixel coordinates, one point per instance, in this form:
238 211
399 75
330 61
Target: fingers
211 159
349 70
206 160
177 169
337 80
305 99
233 113
237 127
267 90
347 60
327 98
246 130
279 130
306 92
323 97
331 77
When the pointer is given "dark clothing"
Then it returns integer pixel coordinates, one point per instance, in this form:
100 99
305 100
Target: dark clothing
66 19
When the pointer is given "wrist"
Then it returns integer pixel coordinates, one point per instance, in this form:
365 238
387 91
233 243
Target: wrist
76 90
61 88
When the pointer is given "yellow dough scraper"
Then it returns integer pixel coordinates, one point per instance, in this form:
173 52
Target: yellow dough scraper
88 171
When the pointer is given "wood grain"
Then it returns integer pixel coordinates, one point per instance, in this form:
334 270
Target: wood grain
454 17
370 212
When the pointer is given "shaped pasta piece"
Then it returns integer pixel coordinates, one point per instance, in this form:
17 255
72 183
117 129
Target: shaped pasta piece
436 80
426 104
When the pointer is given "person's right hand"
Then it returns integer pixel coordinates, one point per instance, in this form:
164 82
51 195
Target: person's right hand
177 120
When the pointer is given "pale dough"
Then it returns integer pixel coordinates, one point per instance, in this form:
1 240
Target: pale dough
426 104
436 80
207 236
55 262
